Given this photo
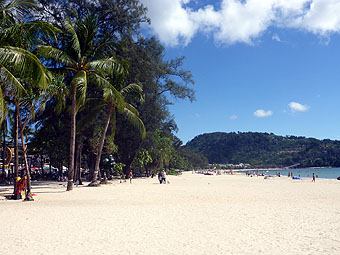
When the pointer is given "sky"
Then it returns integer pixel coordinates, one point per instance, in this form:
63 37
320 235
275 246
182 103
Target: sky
259 65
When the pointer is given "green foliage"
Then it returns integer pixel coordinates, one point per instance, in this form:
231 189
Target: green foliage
143 158
266 150
192 160
96 57
117 168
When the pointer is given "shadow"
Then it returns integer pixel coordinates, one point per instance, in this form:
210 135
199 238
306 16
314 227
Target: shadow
36 183
48 192
9 197
45 187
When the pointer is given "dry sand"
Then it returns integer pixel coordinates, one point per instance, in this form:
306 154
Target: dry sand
194 214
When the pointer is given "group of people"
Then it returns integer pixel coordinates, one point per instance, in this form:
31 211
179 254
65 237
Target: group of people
162 177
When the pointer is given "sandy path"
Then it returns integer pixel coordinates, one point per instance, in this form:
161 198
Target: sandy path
195 214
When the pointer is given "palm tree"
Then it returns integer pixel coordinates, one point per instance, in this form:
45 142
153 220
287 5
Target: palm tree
20 69
110 102
78 59
11 14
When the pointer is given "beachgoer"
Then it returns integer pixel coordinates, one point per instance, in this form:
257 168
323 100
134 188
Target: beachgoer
163 177
313 178
19 187
160 177
130 176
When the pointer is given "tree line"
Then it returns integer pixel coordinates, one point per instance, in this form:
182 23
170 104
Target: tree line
266 150
80 82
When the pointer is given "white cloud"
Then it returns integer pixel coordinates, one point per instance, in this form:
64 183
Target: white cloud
240 20
262 113
170 21
322 18
297 107
233 117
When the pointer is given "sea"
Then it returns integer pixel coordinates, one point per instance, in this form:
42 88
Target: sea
325 173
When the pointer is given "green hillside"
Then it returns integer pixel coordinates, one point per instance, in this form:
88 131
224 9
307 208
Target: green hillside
266 150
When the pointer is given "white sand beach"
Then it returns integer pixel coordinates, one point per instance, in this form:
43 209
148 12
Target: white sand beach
194 214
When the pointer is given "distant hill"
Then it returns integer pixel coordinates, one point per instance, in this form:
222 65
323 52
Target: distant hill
266 150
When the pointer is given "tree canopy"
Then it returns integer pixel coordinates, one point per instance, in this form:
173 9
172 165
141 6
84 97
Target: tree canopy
93 66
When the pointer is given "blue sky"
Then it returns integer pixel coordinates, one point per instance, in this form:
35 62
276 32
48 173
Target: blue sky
263 67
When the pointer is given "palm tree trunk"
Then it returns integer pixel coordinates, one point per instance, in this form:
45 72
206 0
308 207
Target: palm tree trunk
3 147
91 163
75 164
16 148
24 148
78 162
72 141
100 149
28 174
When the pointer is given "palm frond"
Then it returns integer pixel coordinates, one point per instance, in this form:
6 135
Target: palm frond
130 111
80 81
74 37
36 27
133 88
28 32
14 85
16 10
110 91
3 107
107 66
23 64
58 90
49 52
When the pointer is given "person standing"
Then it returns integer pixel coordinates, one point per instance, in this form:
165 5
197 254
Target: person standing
164 177
130 176
313 178
160 177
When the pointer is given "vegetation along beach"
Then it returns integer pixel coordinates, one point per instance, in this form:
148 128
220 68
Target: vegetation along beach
169 127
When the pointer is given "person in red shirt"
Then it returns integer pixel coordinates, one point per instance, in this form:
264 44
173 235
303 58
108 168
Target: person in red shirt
130 176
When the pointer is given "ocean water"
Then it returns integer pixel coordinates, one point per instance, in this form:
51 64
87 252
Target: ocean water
325 173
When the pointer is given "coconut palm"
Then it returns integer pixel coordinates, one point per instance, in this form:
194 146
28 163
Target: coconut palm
110 102
20 70
78 58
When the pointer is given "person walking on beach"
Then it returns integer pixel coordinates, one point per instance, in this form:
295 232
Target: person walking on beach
130 176
313 178
160 177
163 177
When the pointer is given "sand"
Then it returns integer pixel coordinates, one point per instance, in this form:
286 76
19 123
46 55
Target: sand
194 214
